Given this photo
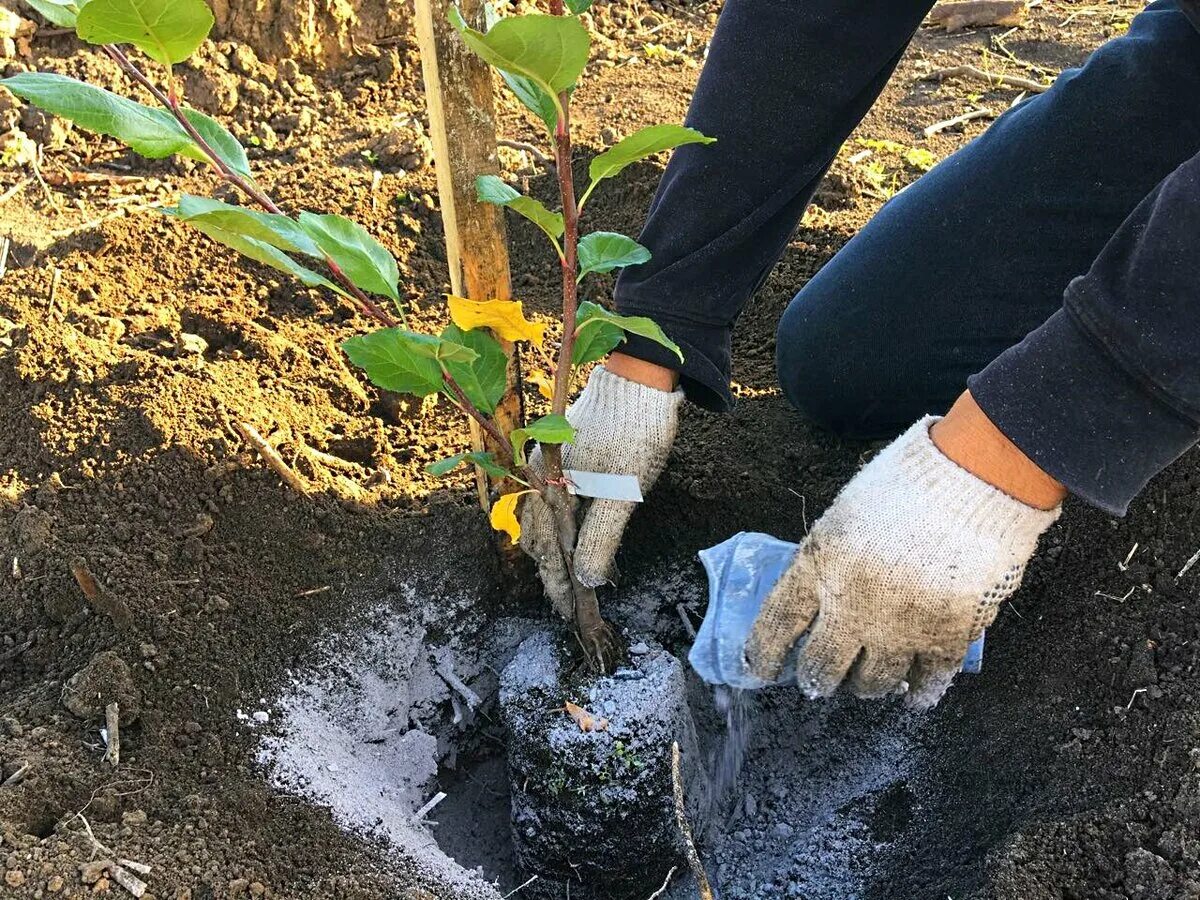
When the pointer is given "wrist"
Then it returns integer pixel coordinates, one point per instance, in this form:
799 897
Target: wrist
641 372
967 437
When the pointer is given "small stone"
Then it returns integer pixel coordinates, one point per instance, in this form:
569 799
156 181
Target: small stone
783 830
92 872
238 887
301 120
243 59
55 883
103 328
608 136
190 344
14 878
134 817
641 648
17 149
405 147
106 678
267 139
257 889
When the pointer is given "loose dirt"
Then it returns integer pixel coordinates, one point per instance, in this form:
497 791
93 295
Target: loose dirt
128 350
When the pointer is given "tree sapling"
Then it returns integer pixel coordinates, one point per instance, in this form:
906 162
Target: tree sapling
541 58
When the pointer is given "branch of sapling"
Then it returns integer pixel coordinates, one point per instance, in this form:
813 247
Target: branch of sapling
464 404
171 102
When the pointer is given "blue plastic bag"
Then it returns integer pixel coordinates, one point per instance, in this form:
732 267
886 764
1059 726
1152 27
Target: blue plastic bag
741 572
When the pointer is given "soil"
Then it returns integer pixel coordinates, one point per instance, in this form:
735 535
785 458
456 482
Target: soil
130 347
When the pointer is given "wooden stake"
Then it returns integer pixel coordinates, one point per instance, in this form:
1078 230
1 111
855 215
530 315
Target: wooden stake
462 124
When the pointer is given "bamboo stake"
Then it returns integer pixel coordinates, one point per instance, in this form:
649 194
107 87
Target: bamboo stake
462 125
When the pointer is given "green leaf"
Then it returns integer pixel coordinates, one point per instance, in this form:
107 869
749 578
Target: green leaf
59 12
551 429
365 261
592 315
168 31
262 252
533 98
603 251
579 6
526 90
641 144
276 230
224 144
485 461
397 360
147 130
491 189
596 341
437 348
550 51
483 378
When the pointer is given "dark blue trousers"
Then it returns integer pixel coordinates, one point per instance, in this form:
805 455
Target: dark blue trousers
1088 192
977 253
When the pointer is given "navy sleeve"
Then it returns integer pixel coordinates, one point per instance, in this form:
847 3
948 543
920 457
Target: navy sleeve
1106 393
785 83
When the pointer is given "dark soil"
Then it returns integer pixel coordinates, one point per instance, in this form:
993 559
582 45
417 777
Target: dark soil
1067 769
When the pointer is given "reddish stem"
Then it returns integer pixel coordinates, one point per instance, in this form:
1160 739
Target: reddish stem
570 264
463 402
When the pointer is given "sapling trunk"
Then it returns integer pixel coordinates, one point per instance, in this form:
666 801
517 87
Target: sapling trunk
597 638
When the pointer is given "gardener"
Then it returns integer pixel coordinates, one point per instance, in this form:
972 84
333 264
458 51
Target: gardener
1042 284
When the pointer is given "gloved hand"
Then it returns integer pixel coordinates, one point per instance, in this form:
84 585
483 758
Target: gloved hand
621 428
901 574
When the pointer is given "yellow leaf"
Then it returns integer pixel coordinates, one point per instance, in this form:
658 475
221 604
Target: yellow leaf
504 513
584 719
504 317
544 385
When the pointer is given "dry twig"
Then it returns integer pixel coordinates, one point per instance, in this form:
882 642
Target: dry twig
99 596
689 846
945 124
687 622
996 79
112 725
541 158
1187 566
14 190
128 880
666 883
16 777
428 807
271 457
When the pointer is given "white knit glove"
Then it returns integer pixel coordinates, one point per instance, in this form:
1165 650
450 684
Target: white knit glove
621 428
901 574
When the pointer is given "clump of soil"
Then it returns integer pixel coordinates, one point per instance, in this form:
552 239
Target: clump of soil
586 777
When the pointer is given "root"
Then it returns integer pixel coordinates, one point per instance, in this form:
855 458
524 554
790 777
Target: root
703 888
600 643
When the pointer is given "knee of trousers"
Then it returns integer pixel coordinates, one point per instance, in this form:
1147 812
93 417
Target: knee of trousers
826 373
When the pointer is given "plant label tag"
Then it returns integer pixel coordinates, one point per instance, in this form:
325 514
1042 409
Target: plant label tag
603 487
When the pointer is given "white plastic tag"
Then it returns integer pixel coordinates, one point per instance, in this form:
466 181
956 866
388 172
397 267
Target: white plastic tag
603 487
